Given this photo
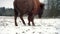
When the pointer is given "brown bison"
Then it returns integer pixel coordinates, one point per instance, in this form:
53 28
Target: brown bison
29 7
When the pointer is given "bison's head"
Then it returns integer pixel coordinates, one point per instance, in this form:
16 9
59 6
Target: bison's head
41 8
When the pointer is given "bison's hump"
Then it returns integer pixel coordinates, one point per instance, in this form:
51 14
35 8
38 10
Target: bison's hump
24 4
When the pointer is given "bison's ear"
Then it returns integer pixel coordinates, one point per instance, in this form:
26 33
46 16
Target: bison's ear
43 4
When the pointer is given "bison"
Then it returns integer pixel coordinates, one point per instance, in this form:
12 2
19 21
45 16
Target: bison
29 7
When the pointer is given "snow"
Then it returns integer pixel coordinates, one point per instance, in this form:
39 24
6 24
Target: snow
43 26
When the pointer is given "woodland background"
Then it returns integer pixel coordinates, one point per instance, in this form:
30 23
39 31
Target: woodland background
52 10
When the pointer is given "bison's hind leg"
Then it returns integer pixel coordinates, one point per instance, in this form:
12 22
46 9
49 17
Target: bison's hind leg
16 15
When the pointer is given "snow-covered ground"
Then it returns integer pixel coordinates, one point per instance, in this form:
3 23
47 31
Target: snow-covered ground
43 26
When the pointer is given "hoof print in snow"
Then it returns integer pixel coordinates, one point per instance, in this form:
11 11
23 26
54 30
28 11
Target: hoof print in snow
27 30
19 21
38 25
33 32
39 32
23 32
49 25
6 24
56 32
16 33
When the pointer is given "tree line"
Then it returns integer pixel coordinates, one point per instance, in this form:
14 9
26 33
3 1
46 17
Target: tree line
53 10
6 11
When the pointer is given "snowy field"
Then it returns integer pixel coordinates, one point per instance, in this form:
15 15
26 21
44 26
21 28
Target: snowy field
43 26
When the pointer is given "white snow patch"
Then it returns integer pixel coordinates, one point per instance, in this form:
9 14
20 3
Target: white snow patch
43 26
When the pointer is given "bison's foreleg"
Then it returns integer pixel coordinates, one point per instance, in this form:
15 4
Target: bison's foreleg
31 19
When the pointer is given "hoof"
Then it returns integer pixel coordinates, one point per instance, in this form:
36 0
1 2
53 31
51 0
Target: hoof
16 25
33 25
24 24
29 24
